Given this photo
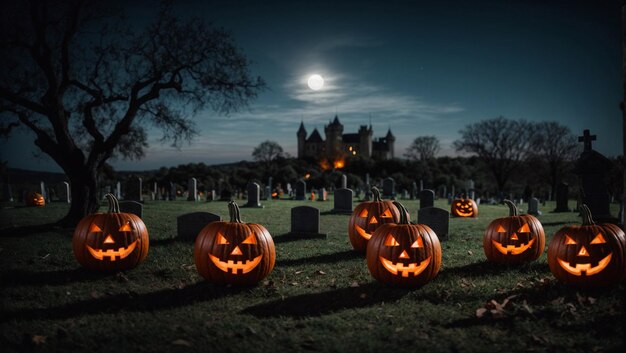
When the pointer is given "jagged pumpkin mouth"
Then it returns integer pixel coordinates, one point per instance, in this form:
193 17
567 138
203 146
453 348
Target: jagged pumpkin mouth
399 268
244 266
112 254
362 232
585 268
465 213
512 249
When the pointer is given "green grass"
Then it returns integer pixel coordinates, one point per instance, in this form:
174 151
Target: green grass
320 296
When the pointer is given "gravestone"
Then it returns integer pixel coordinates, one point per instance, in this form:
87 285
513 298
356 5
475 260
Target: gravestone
533 206
562 197
7 193
421 184
301 190
192 189
267 194
389 188
323 195
368 193
405 194
118 190
414 191
427 198
453 192
43 191
65 193
133 207
254 196
344 181
133 189
172 192
437 219
343 201
190 224
305 222
288 189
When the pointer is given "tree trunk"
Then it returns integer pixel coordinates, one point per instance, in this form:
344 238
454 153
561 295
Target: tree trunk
84 192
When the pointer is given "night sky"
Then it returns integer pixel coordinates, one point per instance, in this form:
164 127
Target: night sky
419 68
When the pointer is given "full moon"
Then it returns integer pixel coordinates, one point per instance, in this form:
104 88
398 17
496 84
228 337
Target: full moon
316 82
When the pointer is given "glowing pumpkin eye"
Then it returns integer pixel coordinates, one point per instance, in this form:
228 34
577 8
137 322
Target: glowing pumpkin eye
391 241
125 228
524 229
599 239
501 229
94 228
363 213
458 204
569 241
221 240
386 214
373 220
419 243
250 240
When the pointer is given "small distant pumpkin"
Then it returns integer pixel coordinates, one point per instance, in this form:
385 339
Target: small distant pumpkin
35 199
514 239
234 252
110 241
404 254
464 208
367 217
588 255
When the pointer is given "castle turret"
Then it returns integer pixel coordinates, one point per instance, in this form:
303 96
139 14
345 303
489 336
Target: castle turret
301 140
390 142
334 134
365 141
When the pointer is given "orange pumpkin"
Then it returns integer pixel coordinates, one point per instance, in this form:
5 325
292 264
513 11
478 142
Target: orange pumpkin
110 241
588 255
234 252
35 199
367 217
514 239
464 208
404 254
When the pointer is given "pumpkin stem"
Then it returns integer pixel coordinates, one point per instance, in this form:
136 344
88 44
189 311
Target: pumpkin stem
585 212
114 204
512 208
403 212
233 211
376 193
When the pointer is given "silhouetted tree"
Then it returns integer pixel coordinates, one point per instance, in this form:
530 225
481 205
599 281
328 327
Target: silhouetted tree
267 152
423 148
90 89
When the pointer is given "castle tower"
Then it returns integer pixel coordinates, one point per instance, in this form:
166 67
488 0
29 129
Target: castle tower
334 137
301 140
390 142
365 141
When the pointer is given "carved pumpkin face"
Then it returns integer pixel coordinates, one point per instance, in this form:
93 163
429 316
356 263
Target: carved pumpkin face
234 252
588 255
35 199
404 254
514 239
367 217
110 241
464 208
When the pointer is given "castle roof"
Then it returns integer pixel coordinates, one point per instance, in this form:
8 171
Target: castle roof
389 134
335 122
302 129
351 138
315 137
380 145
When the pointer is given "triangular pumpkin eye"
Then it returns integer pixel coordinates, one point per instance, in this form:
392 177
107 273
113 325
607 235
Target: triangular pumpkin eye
251 239
524 229
125 228
363 213
386 214
221 240
94 228
569 241
391 241
373 220
599 239
419 243
501 229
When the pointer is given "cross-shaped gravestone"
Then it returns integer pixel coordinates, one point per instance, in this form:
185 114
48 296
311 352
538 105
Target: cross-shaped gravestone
586 138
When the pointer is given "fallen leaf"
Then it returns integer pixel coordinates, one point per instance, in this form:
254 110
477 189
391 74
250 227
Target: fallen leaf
181 342
299 272
354 284
470 252
320 272
38 339
480 312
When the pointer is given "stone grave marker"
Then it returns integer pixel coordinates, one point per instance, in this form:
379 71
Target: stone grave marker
133 189
343 201
344 181
301 190
43 191
533 206
65 193
305 222
118 190
323 194
189 225
427 198
192 189
254 195
562 197
436 218
267 195
389 188
133 207
7 193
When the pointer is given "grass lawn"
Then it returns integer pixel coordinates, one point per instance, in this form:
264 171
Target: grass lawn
320 296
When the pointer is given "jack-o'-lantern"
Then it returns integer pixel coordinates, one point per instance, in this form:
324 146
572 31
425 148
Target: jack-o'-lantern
110 241
514 239
368 216
588 255
404 254
234 252
464 208
35 199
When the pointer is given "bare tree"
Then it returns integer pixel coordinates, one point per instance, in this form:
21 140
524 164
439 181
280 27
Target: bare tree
91 89
500 143
423 148
267 152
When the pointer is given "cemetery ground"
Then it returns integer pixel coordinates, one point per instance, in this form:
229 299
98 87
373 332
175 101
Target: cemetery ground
320 296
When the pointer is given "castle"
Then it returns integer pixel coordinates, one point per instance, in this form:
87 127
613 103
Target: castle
338 145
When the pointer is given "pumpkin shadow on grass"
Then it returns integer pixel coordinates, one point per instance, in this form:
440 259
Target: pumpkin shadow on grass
321 259
318 304
128 302
22 231
17 278
489 269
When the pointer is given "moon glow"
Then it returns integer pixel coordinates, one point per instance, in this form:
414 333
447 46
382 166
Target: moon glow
316 82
